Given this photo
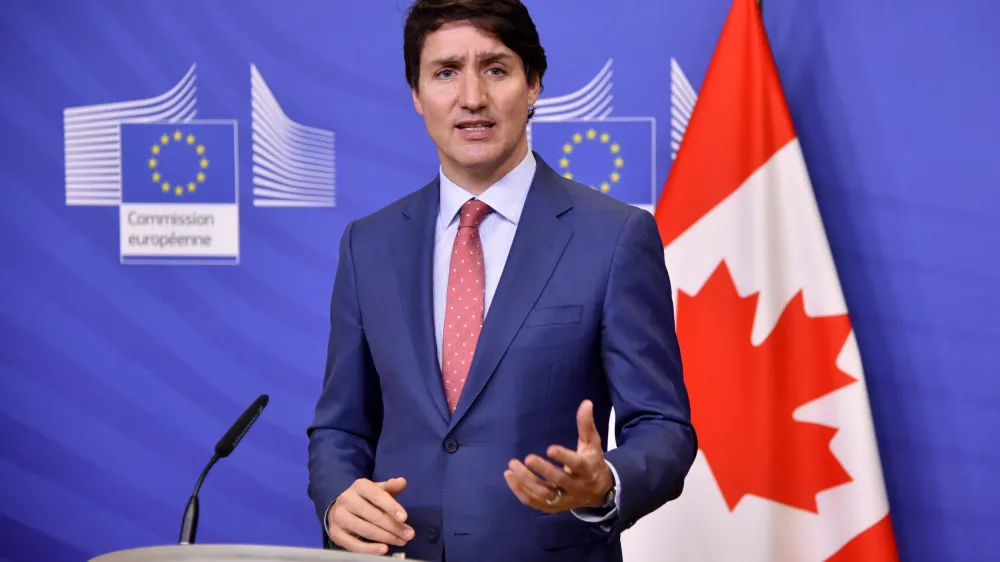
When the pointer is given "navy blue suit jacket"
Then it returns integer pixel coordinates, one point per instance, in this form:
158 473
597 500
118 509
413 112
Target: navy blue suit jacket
583 311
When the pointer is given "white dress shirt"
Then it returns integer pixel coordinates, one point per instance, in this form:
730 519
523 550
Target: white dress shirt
496 232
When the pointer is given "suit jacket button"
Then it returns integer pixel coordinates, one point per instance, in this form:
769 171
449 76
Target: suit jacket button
450 445
432 534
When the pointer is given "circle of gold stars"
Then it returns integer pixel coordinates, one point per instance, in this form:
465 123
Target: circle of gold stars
178 189
604 138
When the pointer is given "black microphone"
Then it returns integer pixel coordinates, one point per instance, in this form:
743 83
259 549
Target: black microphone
225 446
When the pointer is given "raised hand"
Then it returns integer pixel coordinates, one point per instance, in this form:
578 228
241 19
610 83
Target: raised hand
583 479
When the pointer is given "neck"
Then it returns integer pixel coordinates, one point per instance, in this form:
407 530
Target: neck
477 180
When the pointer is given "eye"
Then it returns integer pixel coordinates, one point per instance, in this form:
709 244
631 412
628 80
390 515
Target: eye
444 73
496 71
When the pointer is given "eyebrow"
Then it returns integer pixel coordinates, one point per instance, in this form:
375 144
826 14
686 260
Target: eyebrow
489 57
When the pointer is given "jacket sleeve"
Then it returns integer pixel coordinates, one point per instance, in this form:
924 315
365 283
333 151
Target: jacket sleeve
655 440
348 415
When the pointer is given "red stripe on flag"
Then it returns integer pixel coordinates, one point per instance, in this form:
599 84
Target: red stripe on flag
875 544
739 121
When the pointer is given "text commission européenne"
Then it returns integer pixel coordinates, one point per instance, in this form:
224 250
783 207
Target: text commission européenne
161 240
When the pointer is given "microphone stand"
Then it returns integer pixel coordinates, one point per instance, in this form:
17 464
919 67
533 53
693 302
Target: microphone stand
224 448
189 523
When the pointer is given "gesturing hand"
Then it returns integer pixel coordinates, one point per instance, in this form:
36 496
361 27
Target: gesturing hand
583 480
368 510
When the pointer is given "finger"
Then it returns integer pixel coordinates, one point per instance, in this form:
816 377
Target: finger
358 506
393 486
526 497
531 483
577 463
346 540
515 486
378 496
554 475
585 426
359 527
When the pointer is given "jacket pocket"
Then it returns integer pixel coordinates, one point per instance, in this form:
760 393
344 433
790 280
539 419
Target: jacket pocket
552 315
564 530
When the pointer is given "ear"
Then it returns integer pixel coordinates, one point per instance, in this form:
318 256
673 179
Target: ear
416 102
534 89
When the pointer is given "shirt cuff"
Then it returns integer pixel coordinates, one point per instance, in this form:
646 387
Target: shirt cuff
603 515
326 519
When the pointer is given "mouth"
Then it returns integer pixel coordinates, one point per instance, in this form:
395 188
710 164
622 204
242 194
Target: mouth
475 125
475 130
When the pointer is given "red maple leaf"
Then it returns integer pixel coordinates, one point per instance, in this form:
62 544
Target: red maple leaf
743 396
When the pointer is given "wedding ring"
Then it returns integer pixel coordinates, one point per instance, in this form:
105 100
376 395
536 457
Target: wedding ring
559 494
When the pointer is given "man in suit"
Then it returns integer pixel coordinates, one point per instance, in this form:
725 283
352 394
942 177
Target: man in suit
484 326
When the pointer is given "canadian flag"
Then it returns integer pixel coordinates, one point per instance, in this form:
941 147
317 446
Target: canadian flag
788 466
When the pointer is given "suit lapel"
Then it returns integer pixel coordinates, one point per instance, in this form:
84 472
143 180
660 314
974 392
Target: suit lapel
538 244
413 255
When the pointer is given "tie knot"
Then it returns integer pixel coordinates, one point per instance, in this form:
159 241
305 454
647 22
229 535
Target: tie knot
473 212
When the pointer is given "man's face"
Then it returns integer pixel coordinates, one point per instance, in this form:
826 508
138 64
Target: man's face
474 97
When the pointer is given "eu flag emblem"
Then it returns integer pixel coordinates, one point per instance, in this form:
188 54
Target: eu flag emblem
178 163
179 193
613 155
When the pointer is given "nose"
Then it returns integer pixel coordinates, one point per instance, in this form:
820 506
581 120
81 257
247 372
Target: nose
473 92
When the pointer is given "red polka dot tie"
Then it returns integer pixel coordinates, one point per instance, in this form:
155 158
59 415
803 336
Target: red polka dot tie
463 317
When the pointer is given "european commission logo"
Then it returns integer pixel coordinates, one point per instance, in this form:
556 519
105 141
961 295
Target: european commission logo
615 155
180 199
175 178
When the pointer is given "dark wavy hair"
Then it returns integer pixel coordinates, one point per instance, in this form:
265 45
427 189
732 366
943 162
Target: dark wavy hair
507 20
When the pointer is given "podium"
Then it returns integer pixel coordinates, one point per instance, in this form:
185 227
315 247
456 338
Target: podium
235 552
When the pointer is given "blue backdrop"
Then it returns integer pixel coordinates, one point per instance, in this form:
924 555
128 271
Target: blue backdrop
131 341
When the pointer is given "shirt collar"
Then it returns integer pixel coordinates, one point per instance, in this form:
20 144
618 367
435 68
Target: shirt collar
506 197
